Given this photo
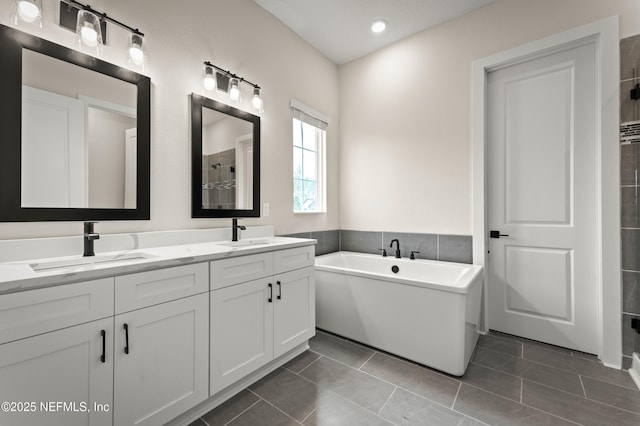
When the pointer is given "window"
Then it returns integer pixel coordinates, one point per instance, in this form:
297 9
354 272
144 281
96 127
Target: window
309 166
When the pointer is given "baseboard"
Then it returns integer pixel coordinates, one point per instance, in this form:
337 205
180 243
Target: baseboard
634 371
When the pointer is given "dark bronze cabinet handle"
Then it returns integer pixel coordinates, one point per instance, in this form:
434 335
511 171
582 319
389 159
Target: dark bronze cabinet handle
126 337
270 293
279 290
103 333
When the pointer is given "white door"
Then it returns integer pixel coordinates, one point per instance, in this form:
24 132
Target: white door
63 366
294 317
542 194
53 150
164 372
241 331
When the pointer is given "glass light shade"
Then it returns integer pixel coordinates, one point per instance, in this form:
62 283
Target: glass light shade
209 78
28 11
256 101
136 51
234 91
88 29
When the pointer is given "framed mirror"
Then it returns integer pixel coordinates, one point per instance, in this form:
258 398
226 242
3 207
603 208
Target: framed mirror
225 165
76 134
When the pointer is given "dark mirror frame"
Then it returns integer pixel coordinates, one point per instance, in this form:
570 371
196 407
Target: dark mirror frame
197 103
12 43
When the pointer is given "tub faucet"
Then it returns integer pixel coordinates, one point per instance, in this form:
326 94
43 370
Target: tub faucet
234 229
89 237
395 240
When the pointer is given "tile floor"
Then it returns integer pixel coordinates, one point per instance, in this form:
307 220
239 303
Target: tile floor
510 381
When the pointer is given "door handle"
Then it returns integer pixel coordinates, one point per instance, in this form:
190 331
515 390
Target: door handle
279 290
103 333
497 234
126 337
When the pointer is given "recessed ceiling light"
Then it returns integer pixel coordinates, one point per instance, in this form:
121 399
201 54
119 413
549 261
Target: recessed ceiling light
379 26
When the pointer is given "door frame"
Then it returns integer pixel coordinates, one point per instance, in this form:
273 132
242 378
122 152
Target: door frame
607 40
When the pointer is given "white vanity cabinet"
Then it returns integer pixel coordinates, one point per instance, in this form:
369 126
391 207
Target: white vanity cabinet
56 356
261 307
161 345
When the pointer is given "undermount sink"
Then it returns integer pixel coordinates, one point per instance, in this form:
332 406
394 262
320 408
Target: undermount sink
87 261
244 243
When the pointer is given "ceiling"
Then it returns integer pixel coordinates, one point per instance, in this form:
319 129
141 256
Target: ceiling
341 29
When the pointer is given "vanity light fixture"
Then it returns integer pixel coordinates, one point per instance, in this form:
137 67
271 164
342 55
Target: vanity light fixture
378 26
28 11
213 75
90 26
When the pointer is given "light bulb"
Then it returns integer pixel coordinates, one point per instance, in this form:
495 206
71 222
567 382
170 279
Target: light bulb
234 90
136 54
256 101
209 78
89 36
378 26
28 11
88 30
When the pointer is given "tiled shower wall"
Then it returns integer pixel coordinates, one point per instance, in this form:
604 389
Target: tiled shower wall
629 193
449 248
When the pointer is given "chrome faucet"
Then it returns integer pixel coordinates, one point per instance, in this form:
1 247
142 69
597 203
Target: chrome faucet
234 229
89 237
395 240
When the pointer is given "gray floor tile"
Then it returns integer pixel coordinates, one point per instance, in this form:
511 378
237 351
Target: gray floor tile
580 410
498 411
289 392
334 410
406 408
560 379
231 408
361 388
197 422
339 349
263 414
579 366
617 396
493 381
499 344
302 361
415 378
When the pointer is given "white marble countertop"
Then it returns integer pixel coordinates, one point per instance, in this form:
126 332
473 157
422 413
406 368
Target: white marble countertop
20 275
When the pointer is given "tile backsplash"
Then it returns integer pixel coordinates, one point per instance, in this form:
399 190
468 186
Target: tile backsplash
450 248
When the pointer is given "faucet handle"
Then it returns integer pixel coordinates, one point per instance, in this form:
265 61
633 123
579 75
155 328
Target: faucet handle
413 254
384 252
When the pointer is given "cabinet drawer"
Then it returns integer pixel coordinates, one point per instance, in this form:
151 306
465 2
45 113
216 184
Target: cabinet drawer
42 310
237 270
136 291
290 259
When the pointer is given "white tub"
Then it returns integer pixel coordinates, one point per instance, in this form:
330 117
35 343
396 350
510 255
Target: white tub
427 312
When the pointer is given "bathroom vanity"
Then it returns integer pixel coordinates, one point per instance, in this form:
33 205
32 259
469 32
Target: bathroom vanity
150 336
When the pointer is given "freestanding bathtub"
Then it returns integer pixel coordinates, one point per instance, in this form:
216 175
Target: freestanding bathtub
427 311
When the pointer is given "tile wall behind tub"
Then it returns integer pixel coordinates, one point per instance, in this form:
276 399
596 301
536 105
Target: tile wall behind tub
629 193
449 248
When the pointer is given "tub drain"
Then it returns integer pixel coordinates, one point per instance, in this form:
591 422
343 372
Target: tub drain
395 269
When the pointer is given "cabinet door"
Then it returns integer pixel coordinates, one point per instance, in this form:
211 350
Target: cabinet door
241 331
62 372
295 309
165 370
